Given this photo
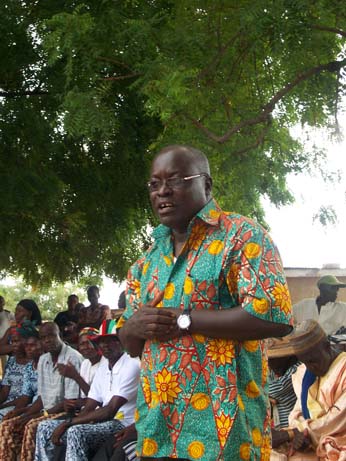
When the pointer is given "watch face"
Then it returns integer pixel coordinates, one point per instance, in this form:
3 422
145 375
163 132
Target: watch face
184 321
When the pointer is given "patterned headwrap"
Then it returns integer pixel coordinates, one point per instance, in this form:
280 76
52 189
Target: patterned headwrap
27 329
89 331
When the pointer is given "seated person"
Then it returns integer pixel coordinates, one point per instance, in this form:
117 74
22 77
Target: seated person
119 447
282 364
317 429
12 383
92 359
114 390
26 309
52 390
28 393
94 314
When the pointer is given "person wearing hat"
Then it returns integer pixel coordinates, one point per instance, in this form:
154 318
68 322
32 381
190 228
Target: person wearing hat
317 429
110 405
282 364
325 309
92 359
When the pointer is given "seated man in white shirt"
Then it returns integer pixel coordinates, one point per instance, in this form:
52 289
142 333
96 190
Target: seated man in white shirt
325 309
113 390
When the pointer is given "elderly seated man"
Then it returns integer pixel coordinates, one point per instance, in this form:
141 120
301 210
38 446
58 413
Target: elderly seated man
317 429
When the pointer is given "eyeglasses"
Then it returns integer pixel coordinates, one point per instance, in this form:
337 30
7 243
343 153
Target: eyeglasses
173 183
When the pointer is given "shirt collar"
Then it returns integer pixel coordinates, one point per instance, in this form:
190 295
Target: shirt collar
210 214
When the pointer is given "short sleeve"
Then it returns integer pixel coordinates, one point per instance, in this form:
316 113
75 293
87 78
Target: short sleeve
132 292
8 372
257 269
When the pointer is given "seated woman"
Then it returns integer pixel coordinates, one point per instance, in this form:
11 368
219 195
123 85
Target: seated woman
10 445
13 377
317 429
26 309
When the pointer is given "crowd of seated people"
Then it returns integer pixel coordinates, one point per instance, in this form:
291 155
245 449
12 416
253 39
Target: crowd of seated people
57 402
72 397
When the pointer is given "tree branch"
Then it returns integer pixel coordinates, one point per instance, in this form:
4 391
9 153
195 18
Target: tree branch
268 108
123 77
334 30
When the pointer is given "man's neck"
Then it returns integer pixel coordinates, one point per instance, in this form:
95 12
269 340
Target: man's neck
112 362
56 354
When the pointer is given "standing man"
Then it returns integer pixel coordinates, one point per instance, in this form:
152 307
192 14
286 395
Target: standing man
71 315
94 314
325 309
198 304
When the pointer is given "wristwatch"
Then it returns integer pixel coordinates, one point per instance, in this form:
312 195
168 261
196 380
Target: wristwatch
184 319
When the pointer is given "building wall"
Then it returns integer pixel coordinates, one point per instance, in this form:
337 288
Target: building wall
302 282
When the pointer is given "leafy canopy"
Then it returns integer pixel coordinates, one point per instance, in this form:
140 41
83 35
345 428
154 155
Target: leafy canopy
90 90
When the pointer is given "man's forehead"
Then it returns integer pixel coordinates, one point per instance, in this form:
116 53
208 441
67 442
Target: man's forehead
48 330
175 160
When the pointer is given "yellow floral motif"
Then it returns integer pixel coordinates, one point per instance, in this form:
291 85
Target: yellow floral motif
136 287
232 278
245 451
221 351
154 400
282 297
167 260
136 415
215 247
169 290
199 338
119 415
149 447
223 424
251 346
188 286
145 267
256 437
196 449
167 385
252 390
261 305
252 250
266 449
200 401
241 403
197 236
146 390
214 214
264 370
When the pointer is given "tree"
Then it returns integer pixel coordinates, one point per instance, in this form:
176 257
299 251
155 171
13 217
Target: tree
105 84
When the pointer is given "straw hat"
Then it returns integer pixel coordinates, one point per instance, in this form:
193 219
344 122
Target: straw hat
303 337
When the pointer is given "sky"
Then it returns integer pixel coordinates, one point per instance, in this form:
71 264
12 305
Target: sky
303 241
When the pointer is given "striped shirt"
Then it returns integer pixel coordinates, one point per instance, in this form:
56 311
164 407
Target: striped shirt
281 389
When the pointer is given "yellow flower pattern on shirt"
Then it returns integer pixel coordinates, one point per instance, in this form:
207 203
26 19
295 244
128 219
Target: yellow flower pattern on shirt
167 386
203 398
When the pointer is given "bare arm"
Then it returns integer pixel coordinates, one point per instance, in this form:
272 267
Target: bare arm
68 370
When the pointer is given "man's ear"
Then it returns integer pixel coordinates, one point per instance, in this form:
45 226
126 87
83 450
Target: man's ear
208 186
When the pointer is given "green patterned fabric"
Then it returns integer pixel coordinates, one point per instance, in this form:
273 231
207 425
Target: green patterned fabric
203 398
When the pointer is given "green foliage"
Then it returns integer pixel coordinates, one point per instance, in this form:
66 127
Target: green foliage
91 89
